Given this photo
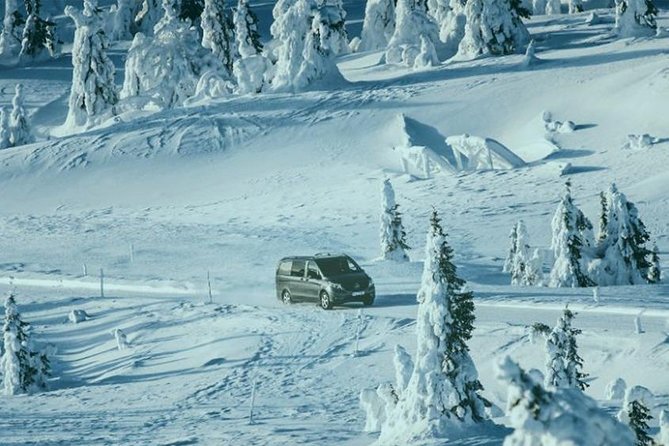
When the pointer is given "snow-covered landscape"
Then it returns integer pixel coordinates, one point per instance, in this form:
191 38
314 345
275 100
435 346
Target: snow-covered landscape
497 167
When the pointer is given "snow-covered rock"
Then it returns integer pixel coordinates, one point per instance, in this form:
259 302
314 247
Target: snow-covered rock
476 153
76 316
615 390
639 142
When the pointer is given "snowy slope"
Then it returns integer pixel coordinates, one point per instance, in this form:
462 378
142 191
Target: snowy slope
232 185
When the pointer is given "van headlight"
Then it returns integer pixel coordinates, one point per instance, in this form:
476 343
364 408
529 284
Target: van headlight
336 287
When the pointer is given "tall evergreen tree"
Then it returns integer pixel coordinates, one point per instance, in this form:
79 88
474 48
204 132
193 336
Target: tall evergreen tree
217 35
20 132
10 37
378 26
513 241
148 16
572 236
123 20
563 363
247 36
443 390
39 37
655 271
411 22
16 362
191 10
93 94
393 235
639 416
4 129
635 18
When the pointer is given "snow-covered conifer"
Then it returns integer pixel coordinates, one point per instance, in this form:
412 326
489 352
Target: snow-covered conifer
217 36
93 94
538 7
553 7
290 28
624 258
563 364
635 18
534 270
572 237
403 368
615 390
655 271
332 26
123 20
39 38
16 367
575 6
10 37
191 10
513 240
411 23
20 132
493 28
378 26
639 416
427 57
393 235
521 254
4 129
663 436
555 416
247 37
444 387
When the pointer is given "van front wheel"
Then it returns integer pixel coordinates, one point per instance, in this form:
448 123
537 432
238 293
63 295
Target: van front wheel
326 303
286 298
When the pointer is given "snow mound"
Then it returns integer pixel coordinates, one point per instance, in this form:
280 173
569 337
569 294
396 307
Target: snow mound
639 142
476 153
77 316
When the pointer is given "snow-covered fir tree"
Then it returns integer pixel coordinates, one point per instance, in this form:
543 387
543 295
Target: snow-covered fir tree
247 38
639 416
410 24
575 6
4 129
333 26
252 68
555 416
393 235
148 16
289 29
655 271
427 57
10 37
553 7
39 39
217 35
534 270
20 132
452 26
563 363
513 241
623 255
123 20
191 10
378 26
571 242
521 254
663 436
167 66
16 364
538 7
93 93
443 390
635 18
493 28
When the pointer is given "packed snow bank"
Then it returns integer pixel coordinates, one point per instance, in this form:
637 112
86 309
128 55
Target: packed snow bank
476 153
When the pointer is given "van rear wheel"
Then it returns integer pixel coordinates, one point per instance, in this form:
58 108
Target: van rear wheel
286 298
326 303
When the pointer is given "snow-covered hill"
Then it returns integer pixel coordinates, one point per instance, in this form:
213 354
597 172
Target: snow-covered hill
231 185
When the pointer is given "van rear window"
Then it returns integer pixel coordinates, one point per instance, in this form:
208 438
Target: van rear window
284 268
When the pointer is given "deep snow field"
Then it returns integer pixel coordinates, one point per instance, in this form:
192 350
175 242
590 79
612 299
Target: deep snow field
232 185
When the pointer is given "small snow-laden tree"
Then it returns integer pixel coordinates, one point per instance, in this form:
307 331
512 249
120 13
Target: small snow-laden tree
655 270
403 368
148 16
639 394
493 28
4 129
639 416
392 233
624 258
563 364
20 132
251 73
290 29
534 270
521 10
247 37
556 416
427 57
10 37
39 38
123 20
452 27
575 6
553 7
663 436
278 26
635 18
521 254
166 67
333 26
217 36
93 94
513 241
378 26
571 242
191 10
16 366
443 390
410 24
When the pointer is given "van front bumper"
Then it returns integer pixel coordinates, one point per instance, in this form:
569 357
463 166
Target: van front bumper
339 296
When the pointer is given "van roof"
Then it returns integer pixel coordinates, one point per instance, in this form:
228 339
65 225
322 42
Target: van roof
320 255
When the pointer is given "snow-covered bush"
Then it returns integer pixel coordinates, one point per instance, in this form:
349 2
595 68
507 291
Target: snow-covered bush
251 73
378 26
392 234
557 416
121 339
20 132
530 59
525 268
166 67
10 37
75 316
93 94
443 390
216 33
572 238
427 57
623 255
452 26
663 436
635 18
575 6
410 24
493 28
615 390
563 364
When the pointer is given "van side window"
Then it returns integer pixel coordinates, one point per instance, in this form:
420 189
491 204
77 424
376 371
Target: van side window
297 270
284 268
312 271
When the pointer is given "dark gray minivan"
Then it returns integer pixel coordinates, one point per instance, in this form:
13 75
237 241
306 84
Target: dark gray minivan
328 279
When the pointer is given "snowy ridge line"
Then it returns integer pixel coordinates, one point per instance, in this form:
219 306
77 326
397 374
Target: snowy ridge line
580 308
185 290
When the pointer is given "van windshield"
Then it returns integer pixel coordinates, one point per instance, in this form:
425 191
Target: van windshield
336 266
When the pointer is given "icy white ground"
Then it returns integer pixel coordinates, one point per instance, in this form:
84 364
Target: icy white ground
232 185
